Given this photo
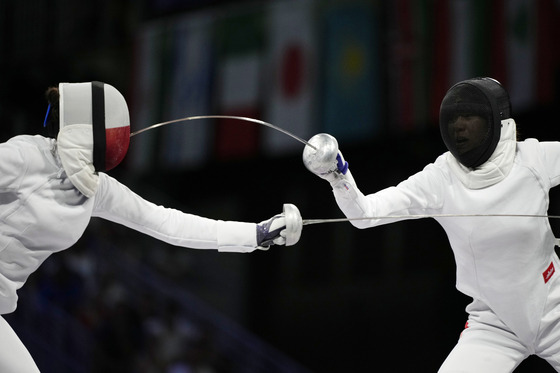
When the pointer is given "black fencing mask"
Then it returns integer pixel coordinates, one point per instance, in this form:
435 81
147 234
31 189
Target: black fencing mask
470 119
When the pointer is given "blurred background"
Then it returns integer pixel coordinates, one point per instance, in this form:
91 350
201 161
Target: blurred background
371 73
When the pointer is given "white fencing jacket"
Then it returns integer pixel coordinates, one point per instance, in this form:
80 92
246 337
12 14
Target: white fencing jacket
509 263
41 212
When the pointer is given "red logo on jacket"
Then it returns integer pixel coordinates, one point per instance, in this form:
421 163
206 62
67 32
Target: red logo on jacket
548 273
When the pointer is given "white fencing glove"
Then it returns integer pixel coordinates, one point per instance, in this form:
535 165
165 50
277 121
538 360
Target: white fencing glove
326 161
271 232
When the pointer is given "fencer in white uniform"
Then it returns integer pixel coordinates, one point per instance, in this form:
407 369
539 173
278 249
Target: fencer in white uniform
50 188
506 264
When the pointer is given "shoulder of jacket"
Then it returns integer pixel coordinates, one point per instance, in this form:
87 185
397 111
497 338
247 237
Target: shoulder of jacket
36 141
528 146
441 163
528 142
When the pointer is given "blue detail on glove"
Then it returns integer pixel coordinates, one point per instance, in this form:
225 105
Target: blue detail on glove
342 166
266 237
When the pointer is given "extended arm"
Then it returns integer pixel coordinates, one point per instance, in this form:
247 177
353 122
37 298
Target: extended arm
117 203
419 194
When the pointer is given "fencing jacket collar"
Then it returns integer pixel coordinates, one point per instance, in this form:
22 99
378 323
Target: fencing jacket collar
496 168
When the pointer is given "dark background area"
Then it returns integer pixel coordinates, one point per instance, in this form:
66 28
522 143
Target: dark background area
341 299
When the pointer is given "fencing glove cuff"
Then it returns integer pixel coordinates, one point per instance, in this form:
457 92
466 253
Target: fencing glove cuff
271 232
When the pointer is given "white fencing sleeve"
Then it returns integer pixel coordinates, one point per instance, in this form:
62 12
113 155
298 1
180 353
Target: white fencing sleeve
419 194
117 203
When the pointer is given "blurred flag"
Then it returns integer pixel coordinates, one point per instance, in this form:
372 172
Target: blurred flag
351 102
548 58
521 52
497 35
440 57
411 29
463 47
469 41
291 74
149 47
239 58
186 144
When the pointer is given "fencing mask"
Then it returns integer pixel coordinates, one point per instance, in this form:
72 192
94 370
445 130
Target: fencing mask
470 119
94 131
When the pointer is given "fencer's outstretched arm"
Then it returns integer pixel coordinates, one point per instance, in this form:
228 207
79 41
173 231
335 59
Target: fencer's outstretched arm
116 202
414 196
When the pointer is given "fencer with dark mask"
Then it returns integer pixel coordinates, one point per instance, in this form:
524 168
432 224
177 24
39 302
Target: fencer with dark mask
50 188
506 264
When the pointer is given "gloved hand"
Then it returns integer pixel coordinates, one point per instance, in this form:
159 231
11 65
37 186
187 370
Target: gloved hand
326 161
271 232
